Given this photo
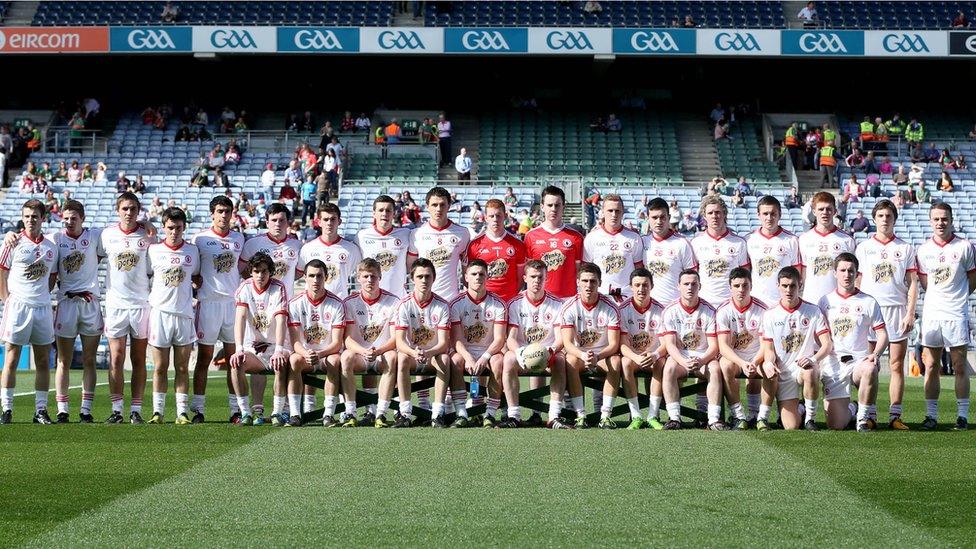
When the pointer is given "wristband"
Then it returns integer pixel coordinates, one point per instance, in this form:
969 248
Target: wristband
485 356
282 349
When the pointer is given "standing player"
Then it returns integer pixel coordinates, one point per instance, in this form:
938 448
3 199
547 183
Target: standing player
533 317
172 262
947 271
614 248
852 315
718 250
423 339
28 271
818 248
316 324
591 336
771 247
340 256
478 321
388 245
126 304
688 333
220 250
737 322
889 274
640 348
441 241
259 335
504 254
369 343
666 253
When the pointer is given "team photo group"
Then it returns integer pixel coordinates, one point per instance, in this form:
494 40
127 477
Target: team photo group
798 318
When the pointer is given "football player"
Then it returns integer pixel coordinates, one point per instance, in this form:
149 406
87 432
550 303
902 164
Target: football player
640 348
614 248
737 322
666 253
818 248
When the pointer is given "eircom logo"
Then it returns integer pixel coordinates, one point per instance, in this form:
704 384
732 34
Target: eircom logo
400 40
653 41
484 41
904 43
150 39
559 40
317 40
736 42
232 39
819 42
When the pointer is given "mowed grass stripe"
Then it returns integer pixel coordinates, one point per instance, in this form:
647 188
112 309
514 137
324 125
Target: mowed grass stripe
425 487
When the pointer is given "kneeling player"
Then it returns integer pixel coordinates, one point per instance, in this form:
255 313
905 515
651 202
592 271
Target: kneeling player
369 345
259 334
316 323
478 329
640 319
533 318
853 315
423 322
591 336
688 332
737 322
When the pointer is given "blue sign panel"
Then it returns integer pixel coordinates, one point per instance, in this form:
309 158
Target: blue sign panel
654 41
318 39
822 42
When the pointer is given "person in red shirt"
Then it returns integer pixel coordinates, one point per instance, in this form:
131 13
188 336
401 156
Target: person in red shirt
558 246
503 252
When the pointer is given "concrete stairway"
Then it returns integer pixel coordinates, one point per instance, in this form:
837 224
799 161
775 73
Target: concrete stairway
20 14
699 157
467 134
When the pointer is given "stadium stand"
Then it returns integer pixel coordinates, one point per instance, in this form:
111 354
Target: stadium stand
743 155
891 15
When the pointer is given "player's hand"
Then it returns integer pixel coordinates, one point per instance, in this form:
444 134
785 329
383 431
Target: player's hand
907 323
871 359
237 359
805 362
278 361
421 356
150 229
750 368
311 357
694 363
590 358
647 360
10 239
769 370
370 354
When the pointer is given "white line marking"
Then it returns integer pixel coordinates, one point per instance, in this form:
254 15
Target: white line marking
73 387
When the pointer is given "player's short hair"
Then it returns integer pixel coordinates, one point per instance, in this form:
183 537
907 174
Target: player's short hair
259 259
439 192
554 191
641 272
689 272
789 272
221 200
423 263
175 214
476 263
277 208
591 268
885 204
495 204
713 201
658 203
769 200
316 263
371 265
383 199
127 197
740 272
824 196
847 257
74 206
536 264
944 206
36 205
330 208
614 198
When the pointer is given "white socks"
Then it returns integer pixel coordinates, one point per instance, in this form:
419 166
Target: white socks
962 407
932 408
811 409
159 403
654 407
40 400
674 411
634 408
182 403
200 401
7 399
715 413
753 402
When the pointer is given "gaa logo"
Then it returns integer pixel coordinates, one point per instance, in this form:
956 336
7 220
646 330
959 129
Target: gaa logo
559 40
904 43
484 41
232 39
818 42
150 40
653 41
401 40
317 40
736 42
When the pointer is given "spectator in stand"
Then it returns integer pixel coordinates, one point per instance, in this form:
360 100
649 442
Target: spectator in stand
860 224
268 181
52 207
917 154
689 22
916 174
613 123
855 159
348 123
794 200
945 183
737 200
74 173
86 173
456 205
291 124
870 164
945 158
201 120
808 15
812 142
289 196
428 132
718 185
227 119
139 186
914 133
923 196
910 196
592 6
156 209
721 130
363 123
215 159
463 165
148 116
309 193
590 206
220 178
898 200
310 162
392 133
444 131
932 154
899 177
411 211
959 163
45 173
327 131
29 178
885 167
201 178
122 183
718 113
233 154
972 133
688 225
476 218
330 166
510 200
170 13
598 125
674 217
873 184
293 174
183 134
61 174
307 123
743 186
828 165
853 191
960 21
339 150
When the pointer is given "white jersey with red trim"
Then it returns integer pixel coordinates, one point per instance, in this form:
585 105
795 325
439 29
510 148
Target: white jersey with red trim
852 319
768 255
535 322
420 321
262 308
717 257
641 325
127 279
172 269
369 323
742 325
666 258
883 266
315 319
946 267
794 332
340 258
477 319
31 263
389 249
447 249
592 323
219 254
616 253
817 253
78 262
692 327
284 253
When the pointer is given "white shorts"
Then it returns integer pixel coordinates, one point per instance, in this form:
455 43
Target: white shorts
168 329
127 322
263 356
24 324
893 316
214 321
76 316
837 381
945 334
789 380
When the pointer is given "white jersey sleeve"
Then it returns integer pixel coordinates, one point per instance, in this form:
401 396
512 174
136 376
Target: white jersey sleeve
219 254
946 267
30 264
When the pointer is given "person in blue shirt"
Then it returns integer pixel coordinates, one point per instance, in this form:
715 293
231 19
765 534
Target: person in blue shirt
308 190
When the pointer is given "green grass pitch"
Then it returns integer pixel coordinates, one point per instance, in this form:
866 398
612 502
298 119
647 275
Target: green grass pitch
222 485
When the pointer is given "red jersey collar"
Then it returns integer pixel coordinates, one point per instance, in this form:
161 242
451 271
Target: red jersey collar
174 248
369 301
314 301
476 301
260 290
271 238
650 303
381 233
322 240
667 236
27 236
719 237
585 305
534 303
444 228
744 309
618 231
845 296
424 304
128 232
762 233
830 232
882 242
221 235
787 309
943 244
691 310
67 234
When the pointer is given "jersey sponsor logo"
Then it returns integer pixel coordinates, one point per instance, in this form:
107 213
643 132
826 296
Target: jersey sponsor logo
73 263
281 268
587 338
386 259
331 272
657 267
370 332
613 264
792 342
640 341
843 326
35 271
736 41
314 333
692 339
224 262
942 275
421 335
883 272
475 333
822 264
742 340
716 267
174 276
553 259
440 256
261 321
497 268
767 266
126 261
535 334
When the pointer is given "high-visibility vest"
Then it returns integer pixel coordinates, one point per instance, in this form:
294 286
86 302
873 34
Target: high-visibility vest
791 140
830 136
392 130
827 156
916 134
881 133
896 127
379 135
867 131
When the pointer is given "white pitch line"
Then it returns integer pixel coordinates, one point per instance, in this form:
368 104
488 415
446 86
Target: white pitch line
73 387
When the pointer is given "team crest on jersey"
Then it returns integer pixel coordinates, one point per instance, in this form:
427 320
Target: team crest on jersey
126 261
657 267
792 341
422 335
173 276
822 264
692 340
640 341
553 259
314 333
475 332
261 321
386 259
35 271
716 267
440 256
767 266
742 340
883 272
497 268
942 275
535 334
588 337
613 264
223 262
72 263
370 332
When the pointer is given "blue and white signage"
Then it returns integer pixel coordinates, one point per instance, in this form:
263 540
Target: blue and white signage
318 40
738 42
815 42
902 43
151 39
569 41
654 41
486 40
235 39
414 40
